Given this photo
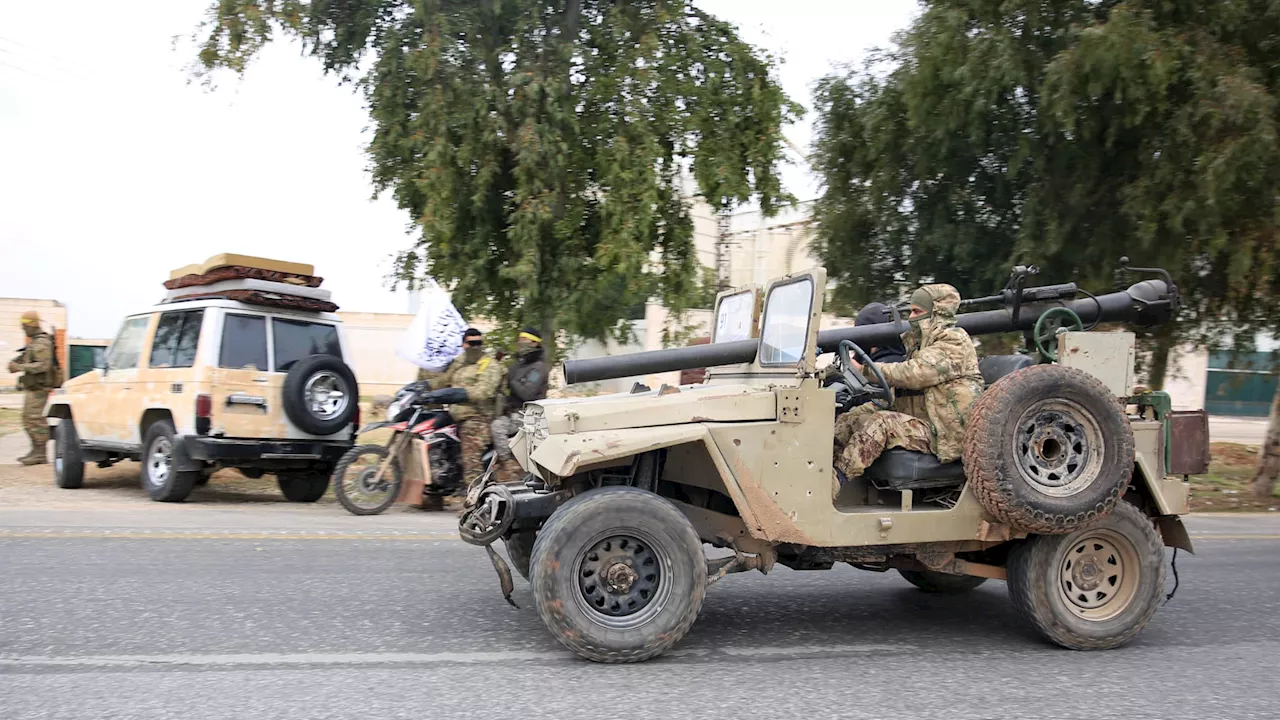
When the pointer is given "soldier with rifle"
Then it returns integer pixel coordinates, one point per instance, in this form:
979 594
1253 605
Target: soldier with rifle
39 369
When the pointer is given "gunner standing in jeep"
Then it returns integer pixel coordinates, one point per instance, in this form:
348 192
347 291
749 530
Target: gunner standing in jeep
942 363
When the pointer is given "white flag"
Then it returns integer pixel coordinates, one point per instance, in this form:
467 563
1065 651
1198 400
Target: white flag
434 338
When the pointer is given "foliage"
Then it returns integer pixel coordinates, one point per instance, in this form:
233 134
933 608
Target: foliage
542 147
1064 133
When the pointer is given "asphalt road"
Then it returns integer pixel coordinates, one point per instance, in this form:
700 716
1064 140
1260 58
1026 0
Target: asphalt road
186 612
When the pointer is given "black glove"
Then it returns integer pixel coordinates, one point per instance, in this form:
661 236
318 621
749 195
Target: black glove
446 396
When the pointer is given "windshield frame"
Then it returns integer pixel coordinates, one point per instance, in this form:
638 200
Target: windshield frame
806 349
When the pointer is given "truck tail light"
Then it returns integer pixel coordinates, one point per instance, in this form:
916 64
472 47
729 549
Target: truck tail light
204 410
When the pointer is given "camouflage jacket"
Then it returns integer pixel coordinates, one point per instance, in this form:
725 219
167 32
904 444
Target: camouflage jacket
942 362
36 364
480 379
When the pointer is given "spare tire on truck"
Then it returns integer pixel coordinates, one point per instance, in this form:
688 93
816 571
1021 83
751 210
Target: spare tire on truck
1048 449
320 394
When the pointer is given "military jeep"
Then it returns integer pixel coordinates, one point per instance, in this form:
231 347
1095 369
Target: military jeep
1068 489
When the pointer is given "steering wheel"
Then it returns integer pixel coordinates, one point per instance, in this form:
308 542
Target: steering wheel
882 395
1049 324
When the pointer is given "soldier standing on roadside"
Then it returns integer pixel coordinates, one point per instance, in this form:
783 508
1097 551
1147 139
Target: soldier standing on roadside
39 376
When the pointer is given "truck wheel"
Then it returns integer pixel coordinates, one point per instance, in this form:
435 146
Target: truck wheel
1048 449
305 486
618 575
320 394
162 481
68 464
520 550
941 583
1093 589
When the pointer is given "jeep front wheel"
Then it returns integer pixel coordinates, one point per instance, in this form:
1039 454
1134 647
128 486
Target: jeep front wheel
68 464
618 575
1095 588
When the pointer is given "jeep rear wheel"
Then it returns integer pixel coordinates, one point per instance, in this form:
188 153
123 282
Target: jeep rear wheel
160 476
305 486
1095 588
618 575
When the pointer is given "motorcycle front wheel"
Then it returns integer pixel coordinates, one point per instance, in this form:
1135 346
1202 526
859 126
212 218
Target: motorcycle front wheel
356 481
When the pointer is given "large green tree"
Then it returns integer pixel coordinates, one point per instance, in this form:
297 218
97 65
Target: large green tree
1065 133
542 147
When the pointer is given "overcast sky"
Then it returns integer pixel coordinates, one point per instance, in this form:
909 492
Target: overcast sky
114 169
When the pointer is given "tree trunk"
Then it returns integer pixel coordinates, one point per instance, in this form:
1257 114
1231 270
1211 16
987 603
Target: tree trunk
1160 359
1264 478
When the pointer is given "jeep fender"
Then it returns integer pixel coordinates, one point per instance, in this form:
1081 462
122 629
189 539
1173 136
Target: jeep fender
572 453
569 454
1169 497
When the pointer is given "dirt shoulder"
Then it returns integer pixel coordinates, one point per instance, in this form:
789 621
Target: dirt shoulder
1226 486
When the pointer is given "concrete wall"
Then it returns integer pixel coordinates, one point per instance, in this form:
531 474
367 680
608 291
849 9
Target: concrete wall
1185 377
52 315
371 341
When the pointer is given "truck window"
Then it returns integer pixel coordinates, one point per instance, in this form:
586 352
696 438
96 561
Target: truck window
296 339
244 342
124 352
177 334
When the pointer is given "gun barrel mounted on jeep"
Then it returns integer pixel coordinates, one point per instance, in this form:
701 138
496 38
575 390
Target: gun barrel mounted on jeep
1145 304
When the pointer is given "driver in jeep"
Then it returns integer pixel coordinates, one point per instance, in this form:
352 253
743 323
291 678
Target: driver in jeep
941 363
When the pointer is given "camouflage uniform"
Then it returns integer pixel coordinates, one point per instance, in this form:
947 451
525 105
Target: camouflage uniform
481 380
526 382
39 376
941 362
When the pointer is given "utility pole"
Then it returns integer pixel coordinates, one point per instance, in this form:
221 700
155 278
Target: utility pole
723 245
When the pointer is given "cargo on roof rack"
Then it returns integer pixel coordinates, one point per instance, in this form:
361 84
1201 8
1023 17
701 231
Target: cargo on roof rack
253 280
230 266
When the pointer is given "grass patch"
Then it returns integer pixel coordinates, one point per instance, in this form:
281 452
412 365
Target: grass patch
1226 485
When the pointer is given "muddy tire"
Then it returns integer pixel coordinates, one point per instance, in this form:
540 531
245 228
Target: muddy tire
1095 588
941 583
162 481
354 487
1048 449
618 575
520 550
303 487
68 463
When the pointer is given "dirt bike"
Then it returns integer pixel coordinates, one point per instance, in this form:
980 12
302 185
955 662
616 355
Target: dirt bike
420 464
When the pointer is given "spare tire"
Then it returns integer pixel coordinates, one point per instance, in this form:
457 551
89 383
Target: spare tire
320 394
1048 449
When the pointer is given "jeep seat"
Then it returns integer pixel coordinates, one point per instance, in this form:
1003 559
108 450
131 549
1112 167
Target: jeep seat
898 469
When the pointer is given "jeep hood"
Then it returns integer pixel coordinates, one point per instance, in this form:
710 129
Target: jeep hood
669 406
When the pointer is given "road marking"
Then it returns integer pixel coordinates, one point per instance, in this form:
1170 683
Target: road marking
412 535
451 658
228 535
1235 537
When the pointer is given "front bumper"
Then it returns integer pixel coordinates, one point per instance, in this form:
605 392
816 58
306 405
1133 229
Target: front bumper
191 451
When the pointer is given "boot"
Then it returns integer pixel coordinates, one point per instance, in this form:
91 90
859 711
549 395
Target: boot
33 459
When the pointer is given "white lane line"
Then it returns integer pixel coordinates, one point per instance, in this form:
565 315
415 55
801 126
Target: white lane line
373 659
